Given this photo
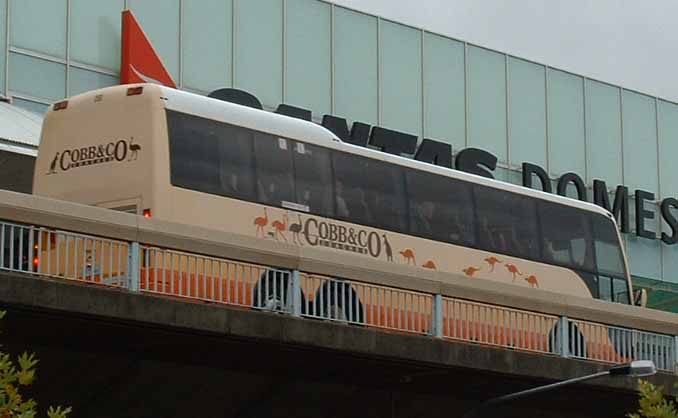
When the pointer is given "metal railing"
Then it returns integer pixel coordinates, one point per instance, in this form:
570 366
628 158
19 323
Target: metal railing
497 325
161 271
68 255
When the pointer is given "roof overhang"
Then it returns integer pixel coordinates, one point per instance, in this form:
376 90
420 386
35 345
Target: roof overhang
19 130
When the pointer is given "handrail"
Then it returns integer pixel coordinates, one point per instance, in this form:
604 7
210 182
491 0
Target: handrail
23 208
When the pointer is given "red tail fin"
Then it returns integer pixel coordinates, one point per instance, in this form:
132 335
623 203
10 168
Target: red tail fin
140 63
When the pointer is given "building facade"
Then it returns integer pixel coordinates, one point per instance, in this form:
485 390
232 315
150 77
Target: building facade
333 60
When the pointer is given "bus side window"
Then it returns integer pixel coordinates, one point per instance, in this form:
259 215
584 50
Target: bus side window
507 222
444 216
313 178
349 188
274 169
194 162
566 236
236 169
385 195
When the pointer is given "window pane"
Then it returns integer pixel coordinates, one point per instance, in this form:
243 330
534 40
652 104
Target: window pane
603 124
313 178
37 108
640 141
376 200
567 145
444 90
487 101
527 104
39 26
620 291
605 288
83 80
207 27
95 32
668 148
401 78
194 153
37 77
567 236
608 251
258 50
210 156
440 208
3 44
160 21
355 66
308 55
506 222
274 169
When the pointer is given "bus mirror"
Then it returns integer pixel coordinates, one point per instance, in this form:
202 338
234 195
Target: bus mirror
640 297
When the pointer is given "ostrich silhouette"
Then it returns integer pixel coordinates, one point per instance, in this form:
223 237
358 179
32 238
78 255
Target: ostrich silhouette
388 249
134 148
295 229
52 166
280 227
261 222
408 254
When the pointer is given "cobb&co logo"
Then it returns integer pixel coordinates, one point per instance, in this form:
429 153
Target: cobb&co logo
114 151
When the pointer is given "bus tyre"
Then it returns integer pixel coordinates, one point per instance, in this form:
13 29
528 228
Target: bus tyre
272 291
576 341
337 300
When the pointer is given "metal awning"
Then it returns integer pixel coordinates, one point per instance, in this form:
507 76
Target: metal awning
19 130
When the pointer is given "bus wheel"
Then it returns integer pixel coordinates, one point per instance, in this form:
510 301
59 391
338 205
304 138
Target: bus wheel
272 291
576 341
337 300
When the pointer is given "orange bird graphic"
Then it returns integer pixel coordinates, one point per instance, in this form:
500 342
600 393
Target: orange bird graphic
492 261
470 271
408 254
429 265
532 280
513 270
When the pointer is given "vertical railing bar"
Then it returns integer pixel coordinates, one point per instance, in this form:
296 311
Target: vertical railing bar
11 247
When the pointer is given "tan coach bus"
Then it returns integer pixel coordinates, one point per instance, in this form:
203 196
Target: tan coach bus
181 157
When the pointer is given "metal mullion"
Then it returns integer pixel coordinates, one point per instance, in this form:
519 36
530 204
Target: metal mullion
68 48
181 44
7 44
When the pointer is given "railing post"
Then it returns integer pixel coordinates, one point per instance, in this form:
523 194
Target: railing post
675 353
295 293
563 337
437 327
134 267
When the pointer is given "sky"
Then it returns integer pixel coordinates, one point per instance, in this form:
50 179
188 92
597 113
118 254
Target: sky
633 44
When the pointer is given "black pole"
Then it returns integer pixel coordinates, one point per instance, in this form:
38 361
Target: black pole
521 394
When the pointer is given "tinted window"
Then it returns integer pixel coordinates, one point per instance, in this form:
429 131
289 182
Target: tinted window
209 156
369 192
506 222
608 251
605 288
620 291
567 237
440 208
313 178
273 160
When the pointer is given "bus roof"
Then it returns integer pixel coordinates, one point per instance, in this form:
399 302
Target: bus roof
244 116
305 131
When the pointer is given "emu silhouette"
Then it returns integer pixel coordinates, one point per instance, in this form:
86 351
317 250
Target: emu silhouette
295 229
135 150
388 249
